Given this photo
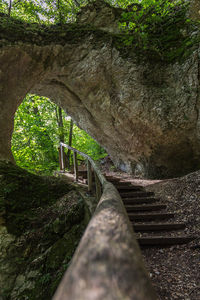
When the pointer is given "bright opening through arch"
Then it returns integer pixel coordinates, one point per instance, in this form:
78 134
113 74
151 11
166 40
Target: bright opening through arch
38 130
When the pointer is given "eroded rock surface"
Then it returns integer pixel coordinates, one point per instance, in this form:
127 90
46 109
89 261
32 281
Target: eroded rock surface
144 113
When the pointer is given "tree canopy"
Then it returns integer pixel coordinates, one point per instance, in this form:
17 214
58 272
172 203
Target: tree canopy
63 11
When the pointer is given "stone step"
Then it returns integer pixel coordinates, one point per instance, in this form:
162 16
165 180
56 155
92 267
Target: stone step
133 201
146 207
164 241
136 194
158 227
148 217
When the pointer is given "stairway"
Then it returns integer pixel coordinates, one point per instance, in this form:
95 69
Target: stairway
151 221
153 225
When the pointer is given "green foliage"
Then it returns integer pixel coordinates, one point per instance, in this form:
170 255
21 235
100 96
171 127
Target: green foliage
39 11
36 135
34 143
160 29
85 143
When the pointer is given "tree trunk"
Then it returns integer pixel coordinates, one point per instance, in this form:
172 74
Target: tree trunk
9 8
59 11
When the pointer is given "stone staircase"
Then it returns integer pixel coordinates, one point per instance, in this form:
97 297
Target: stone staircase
151 221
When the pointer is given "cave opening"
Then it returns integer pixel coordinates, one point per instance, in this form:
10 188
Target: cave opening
39 126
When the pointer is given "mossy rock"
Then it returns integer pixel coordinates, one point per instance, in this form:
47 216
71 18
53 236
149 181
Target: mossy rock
21 192
45 236
64 248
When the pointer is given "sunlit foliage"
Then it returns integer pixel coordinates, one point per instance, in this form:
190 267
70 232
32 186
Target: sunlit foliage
35 139
47 11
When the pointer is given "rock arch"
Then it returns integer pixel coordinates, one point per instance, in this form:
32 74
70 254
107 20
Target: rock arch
146 115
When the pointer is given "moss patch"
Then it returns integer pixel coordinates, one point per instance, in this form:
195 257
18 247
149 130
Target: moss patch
46 231
21 193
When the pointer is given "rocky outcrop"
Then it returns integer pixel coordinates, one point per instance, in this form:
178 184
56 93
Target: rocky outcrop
144 113
41 222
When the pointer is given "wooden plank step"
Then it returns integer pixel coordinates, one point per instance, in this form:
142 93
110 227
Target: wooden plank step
146 207
133 201
164 241
113 179
129 188
158 226
136 194
85 176
122 183
82 172
148 217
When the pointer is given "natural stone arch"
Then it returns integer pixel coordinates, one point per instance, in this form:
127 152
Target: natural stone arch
146 115
19 72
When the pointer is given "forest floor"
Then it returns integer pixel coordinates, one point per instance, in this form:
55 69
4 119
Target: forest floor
175 270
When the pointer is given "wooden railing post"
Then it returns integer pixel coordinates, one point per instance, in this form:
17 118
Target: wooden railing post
59 155
62 158
89 176
98 187
75 166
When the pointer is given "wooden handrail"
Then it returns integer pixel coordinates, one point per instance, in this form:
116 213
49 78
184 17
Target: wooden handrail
94 166
107 263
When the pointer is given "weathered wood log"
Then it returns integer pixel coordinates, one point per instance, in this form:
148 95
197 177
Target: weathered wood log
89 176
75 166
107 263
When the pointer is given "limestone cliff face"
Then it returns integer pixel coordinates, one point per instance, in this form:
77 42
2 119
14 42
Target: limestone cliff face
145 114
